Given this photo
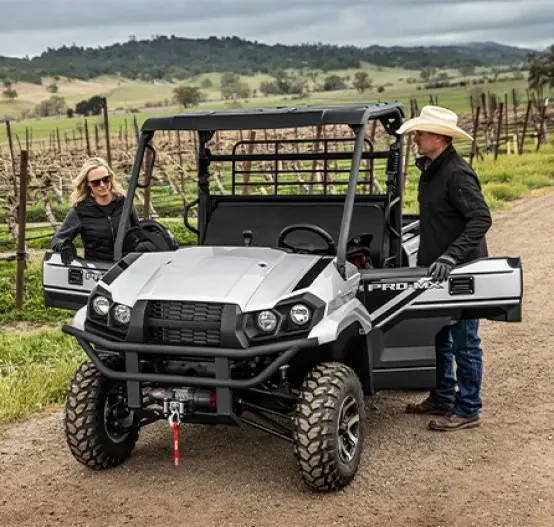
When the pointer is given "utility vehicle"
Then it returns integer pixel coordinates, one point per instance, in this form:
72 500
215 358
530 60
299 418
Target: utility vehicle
297 304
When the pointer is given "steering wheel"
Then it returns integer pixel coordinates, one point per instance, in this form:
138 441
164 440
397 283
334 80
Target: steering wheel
331 248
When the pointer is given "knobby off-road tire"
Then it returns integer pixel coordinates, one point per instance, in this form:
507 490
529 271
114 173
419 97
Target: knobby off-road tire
97 438
329 427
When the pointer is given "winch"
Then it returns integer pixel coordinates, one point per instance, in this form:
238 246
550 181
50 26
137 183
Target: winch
184 400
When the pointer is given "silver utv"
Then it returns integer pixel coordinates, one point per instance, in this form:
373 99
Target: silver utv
290 312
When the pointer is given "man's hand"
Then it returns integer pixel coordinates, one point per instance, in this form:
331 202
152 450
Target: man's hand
68 253
440 269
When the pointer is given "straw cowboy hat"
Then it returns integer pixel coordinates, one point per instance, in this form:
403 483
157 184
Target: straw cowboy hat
436 120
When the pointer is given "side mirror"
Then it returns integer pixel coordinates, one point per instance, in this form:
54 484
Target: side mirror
148 160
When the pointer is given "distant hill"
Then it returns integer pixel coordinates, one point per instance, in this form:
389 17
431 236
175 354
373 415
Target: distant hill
178 58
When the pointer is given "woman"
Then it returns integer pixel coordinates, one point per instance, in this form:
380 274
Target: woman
97 201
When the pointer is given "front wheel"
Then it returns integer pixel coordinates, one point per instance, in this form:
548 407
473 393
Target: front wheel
329 426
100 430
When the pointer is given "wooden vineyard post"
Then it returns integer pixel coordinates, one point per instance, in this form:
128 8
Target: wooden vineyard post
474 144
515 103
498 129
313 175
21 252
135 124
107 131
148 174
507 132
87 138
408 148
529 103
10 142
540 133
248 164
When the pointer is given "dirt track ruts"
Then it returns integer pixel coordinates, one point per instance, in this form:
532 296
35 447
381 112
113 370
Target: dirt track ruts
499 474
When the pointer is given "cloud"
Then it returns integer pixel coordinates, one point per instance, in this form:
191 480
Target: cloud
357 22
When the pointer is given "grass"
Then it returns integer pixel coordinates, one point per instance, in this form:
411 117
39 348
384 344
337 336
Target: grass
36 362
33 310
34 371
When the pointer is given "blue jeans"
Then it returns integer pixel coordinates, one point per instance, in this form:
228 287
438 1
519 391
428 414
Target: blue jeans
459 342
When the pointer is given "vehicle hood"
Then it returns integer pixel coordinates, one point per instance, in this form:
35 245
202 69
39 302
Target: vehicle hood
251 277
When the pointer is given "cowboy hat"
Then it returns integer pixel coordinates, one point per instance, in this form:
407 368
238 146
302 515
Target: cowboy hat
436 120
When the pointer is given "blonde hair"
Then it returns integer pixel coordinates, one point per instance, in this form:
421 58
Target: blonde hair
81 190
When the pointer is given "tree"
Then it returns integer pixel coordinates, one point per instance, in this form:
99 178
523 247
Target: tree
427 73
92 106
53 106
466 69
541 71
362 82
52 88
333 82
187 95
9 92
232 87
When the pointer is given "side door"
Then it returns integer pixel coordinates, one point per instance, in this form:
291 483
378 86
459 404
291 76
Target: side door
408 309
68 286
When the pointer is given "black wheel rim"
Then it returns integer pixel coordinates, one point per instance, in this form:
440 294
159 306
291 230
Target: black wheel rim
118 419
348 429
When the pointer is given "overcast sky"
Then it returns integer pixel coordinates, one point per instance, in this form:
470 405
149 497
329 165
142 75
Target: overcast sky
28 27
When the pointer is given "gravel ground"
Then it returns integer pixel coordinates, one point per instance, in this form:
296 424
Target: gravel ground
499 474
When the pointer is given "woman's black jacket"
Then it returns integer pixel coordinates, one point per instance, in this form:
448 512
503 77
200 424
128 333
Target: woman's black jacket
97 226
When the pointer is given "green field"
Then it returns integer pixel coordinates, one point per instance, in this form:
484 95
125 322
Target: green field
146 99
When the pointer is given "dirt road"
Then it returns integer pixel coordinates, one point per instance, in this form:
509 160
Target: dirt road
499 474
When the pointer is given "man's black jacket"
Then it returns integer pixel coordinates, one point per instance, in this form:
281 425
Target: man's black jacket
454 216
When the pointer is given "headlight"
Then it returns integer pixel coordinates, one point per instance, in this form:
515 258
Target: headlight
101 305
122 314
300 314
267 321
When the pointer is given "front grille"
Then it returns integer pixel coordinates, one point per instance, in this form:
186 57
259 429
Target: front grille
194 337
185 323
185 311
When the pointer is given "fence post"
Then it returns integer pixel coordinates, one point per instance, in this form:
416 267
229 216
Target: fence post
107 131
529 103
10 142
474 144
507 123
408 148
498 129
87 138
147 160
515 102
21 253
541 125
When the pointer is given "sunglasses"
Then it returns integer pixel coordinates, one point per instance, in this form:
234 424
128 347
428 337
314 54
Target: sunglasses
96 182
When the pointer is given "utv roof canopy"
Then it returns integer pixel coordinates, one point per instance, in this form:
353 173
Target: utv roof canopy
277 117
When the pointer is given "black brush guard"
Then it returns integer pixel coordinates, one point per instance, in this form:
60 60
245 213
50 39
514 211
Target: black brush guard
223 383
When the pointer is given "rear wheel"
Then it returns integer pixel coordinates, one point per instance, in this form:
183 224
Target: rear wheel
100 430
329 427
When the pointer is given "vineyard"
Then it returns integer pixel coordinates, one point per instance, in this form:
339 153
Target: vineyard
52 164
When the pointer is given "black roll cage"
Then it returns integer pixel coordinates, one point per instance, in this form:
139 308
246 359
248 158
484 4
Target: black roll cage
356 116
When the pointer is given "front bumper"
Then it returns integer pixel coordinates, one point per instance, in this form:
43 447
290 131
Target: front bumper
131 351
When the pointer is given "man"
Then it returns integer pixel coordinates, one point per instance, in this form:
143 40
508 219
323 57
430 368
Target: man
454 219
